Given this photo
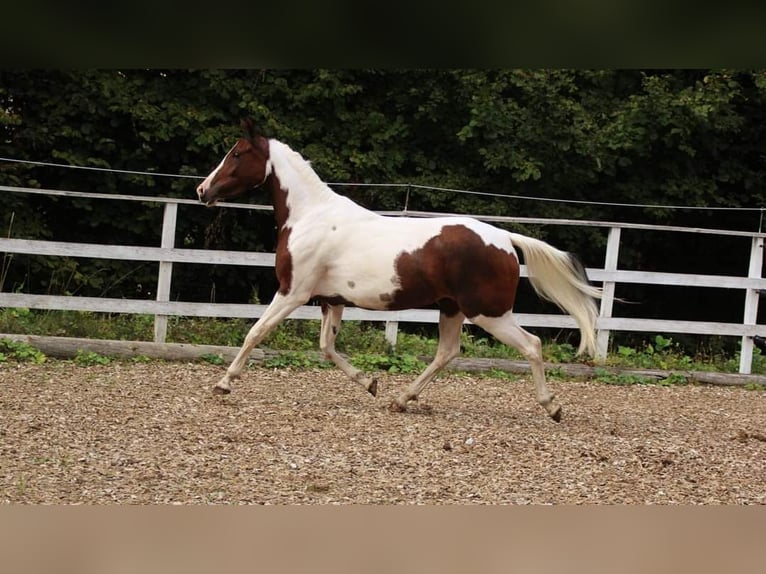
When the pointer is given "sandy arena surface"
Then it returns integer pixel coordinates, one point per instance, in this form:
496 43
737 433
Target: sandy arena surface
154 433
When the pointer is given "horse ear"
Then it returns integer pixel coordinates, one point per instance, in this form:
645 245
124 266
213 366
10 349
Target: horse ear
251 132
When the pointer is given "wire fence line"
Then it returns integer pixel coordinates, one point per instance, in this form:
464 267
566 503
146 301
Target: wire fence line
394 213
410 186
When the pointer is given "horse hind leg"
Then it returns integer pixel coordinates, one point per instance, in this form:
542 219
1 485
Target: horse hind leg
331 319
448 349
507 331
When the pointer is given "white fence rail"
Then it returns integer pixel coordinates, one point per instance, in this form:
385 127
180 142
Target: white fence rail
167 255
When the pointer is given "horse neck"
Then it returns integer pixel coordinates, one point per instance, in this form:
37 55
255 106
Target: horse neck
296 189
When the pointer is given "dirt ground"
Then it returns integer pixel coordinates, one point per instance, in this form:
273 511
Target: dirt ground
154 433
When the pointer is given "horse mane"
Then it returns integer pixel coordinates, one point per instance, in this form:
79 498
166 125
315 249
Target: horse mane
293 170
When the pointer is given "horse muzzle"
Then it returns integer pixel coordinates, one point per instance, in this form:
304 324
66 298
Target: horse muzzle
206 196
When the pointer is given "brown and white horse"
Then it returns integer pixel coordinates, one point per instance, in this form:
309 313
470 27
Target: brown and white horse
332 250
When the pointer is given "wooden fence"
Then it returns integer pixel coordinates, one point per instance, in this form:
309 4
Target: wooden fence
167 255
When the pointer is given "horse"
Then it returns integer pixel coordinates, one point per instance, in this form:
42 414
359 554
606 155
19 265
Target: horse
334 251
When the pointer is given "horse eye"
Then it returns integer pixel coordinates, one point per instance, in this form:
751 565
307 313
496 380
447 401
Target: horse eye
236 155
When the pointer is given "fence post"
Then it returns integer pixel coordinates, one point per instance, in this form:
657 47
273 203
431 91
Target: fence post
607 300
392 329
166 270
751 305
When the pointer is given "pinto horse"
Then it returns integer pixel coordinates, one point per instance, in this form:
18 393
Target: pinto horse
332 250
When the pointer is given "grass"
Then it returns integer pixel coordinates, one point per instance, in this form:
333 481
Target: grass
364 343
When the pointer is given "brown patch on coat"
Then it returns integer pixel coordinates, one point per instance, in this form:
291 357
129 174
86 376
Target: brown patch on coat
278 200
284 261
457 270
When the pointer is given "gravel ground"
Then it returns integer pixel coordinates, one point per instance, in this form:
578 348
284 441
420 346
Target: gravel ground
154 433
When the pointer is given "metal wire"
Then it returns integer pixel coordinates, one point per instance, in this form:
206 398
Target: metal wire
411 186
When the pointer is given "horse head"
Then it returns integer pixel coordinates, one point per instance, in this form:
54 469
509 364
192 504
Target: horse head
244 167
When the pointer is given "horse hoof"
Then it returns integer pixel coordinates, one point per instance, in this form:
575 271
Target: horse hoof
218 390
395 407
556 415
373 388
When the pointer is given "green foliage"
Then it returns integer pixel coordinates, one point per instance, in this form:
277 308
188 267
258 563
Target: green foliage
610 378
208 331
663 353
391 363
559 353
90 358
296 335
731 364
495 373
212 358
77 324
17 320
755 387
297 360
20 351
674 379
119 326
604 376
413 344
485 346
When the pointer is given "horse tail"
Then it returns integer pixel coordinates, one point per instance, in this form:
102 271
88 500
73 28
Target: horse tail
559 277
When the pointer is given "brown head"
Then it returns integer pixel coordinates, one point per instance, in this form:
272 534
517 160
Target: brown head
245 167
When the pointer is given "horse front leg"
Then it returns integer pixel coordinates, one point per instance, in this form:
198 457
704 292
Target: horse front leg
331 318
279 308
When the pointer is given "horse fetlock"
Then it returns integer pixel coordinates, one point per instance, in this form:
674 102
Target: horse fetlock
372 387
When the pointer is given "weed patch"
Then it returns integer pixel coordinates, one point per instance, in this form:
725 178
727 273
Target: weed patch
296 359
609 378
20 351
212 358
89 358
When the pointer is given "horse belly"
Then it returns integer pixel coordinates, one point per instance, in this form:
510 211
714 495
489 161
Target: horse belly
367 285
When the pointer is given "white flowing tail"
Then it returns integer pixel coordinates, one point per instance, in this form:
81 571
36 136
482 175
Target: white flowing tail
558 277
